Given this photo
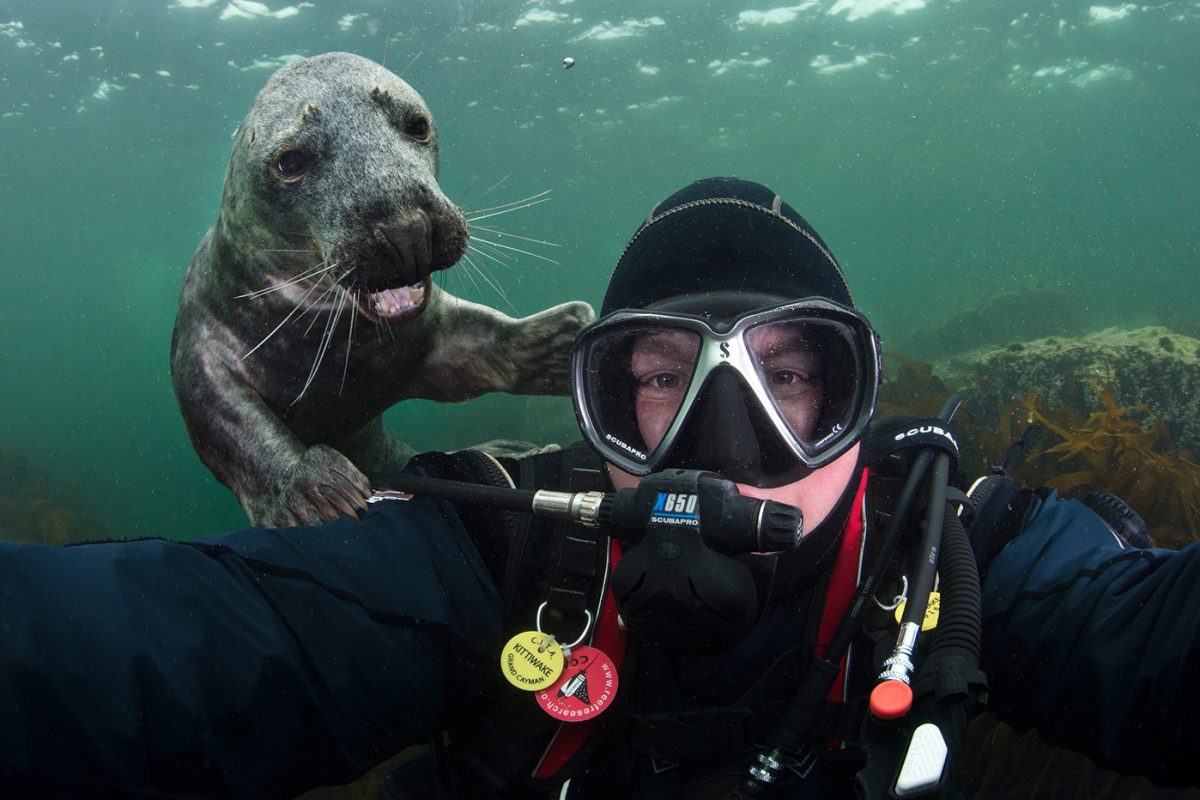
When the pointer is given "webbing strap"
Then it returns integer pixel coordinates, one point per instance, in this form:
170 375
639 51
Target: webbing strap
843 583
575 575
611 640
495 751
580 555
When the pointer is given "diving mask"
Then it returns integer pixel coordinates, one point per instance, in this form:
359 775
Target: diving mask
761 397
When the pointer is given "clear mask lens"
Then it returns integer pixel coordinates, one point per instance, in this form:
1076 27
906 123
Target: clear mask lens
810 372
637 379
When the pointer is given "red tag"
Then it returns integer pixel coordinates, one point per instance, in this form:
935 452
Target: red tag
586 688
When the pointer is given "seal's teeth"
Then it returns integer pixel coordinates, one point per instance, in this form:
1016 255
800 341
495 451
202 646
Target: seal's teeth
392 302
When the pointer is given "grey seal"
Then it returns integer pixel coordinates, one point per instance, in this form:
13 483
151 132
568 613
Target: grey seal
308 308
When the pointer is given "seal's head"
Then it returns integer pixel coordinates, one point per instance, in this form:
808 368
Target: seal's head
338 159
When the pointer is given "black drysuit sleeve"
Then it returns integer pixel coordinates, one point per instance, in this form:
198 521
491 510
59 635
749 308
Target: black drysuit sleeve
1096 644
258 663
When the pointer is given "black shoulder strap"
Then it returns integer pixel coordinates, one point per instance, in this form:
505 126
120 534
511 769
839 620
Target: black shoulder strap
893 435
575 469
559 563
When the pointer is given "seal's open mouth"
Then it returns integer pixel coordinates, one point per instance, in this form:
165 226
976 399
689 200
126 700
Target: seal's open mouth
395 303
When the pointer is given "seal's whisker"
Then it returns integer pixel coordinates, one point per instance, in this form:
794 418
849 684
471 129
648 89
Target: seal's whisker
314 304
309 235
334 316
475 216
454 297
345 275
476 211
477 240
317 270
453 281
410 63
349 344
357 299
499 256
275 330
499 232
483 273
494 186
443 283
467 272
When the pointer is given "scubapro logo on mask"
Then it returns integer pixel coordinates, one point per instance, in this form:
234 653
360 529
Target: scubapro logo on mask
676 508
633 451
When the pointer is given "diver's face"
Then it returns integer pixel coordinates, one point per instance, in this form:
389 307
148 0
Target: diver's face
661 364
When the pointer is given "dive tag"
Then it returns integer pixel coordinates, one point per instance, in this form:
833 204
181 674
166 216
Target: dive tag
532 660
931 611
586 688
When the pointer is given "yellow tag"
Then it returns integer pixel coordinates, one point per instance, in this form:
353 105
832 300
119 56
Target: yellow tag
532 661
931 611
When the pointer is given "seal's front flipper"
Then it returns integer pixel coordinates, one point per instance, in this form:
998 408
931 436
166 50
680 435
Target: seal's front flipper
476 349
514 448
319 487
539 347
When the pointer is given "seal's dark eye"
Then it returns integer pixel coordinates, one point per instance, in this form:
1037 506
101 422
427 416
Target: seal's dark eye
419 129
291 165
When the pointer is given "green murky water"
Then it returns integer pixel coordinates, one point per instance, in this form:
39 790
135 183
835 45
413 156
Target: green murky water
945 150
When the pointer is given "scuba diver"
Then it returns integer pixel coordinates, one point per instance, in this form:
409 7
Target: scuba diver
743 585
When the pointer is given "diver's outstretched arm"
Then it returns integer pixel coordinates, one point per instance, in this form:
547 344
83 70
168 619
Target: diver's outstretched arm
1096 644
258 664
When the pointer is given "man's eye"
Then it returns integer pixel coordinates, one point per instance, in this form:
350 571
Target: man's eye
661 381
792 381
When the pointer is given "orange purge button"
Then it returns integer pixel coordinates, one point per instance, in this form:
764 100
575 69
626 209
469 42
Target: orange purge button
891 700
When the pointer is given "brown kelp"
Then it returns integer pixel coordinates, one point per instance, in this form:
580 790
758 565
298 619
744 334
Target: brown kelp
35 507
1125 451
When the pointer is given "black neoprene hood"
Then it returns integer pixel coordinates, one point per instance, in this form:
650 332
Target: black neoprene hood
724 234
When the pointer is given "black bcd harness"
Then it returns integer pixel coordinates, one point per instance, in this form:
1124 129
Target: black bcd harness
561 570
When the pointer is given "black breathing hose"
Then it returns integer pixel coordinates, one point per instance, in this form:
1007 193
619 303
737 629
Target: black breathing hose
501 497
960 624
948 685
927 562
951 671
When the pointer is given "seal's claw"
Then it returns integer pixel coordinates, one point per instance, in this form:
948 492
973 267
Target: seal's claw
342 503
320 487
356 492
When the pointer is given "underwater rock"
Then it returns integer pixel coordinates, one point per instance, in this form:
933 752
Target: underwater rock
1151 366
35 507
994 321
1116 412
